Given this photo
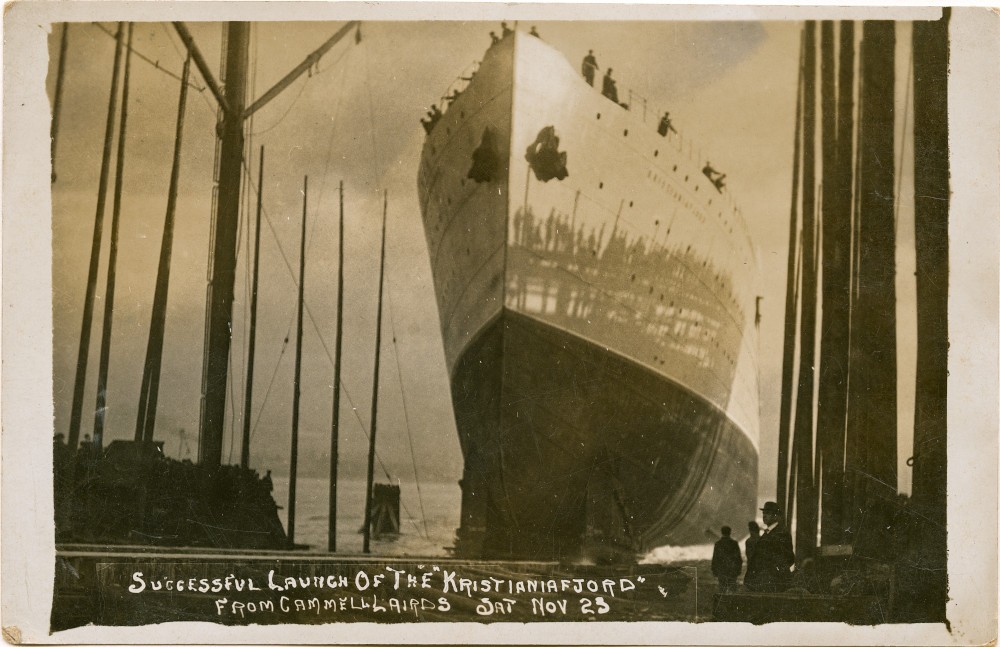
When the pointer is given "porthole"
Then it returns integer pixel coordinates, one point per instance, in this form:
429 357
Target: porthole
598 115
656 153
600 185
675 167
625 134
685 178
696 187
630 203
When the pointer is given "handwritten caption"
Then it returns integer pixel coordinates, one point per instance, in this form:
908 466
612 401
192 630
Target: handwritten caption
419 591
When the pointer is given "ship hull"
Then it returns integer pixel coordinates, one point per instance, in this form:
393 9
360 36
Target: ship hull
596 312
573 451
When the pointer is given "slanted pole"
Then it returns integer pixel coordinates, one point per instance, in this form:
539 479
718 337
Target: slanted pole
251 350
100 410
378 344
293 469
57 97
76 411
223 254
335 425
838 133
876 321
931 207
791 307
150 386
805 531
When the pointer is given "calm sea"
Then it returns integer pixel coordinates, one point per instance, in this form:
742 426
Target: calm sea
429 517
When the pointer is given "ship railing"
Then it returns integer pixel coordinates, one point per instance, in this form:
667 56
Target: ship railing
459 84
651 114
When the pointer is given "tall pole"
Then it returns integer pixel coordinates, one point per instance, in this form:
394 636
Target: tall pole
248 402
293 469
805 531
335 425
100 409
57 98
838 140
877 294
378 344
79 384
220 302
150 387
791 307
931 206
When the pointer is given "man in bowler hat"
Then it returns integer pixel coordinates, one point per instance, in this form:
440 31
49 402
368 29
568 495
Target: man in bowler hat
768 570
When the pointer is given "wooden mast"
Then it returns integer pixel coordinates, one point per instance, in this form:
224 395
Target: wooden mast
76 411
100 410
791 307
378 344
293 468
335 424
150 386
57 96
805 533
838 133
223 253
251 350
877 294
931 207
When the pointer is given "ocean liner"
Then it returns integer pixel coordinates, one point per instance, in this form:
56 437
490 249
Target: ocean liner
597 299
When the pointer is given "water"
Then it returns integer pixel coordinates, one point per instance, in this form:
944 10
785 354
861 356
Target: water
428 521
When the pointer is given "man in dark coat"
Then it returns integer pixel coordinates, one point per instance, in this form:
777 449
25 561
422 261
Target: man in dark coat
589 67
727 561
769 568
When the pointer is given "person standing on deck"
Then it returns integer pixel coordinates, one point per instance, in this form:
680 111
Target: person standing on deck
610 88
727 561
589 67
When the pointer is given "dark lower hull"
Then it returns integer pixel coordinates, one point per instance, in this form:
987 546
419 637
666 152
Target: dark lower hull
573 451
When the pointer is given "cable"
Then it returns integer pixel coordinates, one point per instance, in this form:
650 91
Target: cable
406 415
155 64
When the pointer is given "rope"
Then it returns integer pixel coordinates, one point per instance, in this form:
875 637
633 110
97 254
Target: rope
406 416
155 64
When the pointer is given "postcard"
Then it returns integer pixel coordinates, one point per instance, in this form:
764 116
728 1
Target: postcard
470 323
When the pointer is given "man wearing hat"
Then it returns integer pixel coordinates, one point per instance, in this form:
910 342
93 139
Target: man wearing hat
768 568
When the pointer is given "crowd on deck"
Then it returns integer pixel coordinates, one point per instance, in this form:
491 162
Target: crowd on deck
589 69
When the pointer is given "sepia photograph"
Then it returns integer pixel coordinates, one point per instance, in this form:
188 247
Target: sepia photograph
502 320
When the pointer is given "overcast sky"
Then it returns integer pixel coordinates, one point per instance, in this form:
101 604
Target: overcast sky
729 86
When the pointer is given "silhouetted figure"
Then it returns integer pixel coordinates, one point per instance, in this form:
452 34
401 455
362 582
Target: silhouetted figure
751 542
505 31
485 159
433 116
610 88
544 156
589 67
769 569
534 32
727 563
494 39
665 125
455 94
718 179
